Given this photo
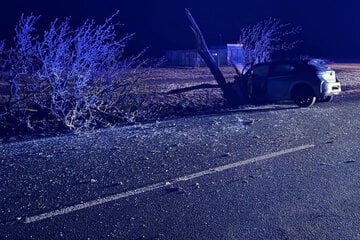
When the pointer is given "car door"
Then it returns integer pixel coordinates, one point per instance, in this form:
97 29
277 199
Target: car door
278 83
257 82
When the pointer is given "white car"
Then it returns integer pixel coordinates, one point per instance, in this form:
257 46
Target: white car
303 81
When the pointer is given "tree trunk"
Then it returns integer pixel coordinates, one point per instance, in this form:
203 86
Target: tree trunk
205 53
235 94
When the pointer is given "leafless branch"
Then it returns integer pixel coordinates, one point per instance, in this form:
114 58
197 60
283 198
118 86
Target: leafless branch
266 37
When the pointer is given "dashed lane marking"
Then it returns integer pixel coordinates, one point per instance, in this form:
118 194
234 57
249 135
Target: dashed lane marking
153 187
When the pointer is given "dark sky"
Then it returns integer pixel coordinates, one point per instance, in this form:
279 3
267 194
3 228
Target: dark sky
331 29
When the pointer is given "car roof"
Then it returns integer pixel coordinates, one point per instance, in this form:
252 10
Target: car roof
293 62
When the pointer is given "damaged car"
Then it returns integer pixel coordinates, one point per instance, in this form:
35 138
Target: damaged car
303 81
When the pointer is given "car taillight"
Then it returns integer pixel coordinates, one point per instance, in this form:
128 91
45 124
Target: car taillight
328 75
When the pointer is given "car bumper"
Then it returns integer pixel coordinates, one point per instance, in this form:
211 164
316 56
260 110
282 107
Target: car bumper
330 88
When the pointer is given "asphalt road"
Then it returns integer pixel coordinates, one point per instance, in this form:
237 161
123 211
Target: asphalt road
269 172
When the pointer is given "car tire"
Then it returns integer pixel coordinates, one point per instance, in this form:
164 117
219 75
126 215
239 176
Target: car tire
303 96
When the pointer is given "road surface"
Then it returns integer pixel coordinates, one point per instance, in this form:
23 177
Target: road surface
258 172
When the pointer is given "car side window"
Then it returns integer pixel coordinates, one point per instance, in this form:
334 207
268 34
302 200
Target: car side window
260 71
282 69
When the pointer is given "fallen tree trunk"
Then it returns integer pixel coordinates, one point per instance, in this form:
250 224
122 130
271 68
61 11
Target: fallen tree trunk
234 93
196 87
205 53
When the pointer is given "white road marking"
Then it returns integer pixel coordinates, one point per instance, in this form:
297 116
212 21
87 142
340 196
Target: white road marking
153 187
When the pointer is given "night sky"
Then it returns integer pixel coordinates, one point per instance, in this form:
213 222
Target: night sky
330 29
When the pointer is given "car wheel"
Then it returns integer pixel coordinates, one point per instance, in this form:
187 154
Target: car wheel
304 97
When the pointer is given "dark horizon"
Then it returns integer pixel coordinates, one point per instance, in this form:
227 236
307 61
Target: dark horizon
329 30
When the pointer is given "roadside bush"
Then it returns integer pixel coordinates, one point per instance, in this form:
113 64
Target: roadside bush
74 78
267 37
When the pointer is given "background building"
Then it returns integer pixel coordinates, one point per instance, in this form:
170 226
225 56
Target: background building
223 55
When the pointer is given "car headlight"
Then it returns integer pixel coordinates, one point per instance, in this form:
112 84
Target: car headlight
328 75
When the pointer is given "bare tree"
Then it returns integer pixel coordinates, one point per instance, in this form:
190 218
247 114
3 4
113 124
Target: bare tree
76 77
267 37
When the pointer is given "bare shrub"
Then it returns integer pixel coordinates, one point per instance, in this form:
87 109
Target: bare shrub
77 78
267 37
